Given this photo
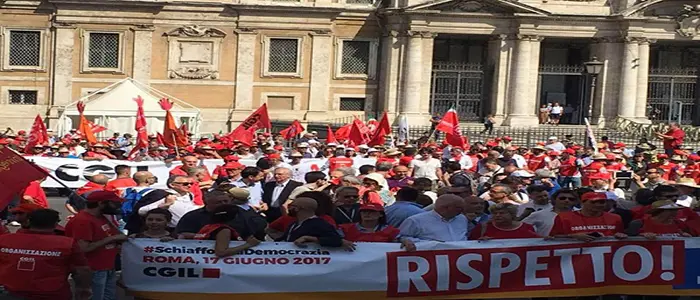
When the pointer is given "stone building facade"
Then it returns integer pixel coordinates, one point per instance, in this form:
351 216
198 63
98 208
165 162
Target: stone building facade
321 60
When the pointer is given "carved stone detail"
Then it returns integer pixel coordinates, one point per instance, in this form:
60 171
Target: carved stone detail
197 31
689 21
529 37
193 73
472 6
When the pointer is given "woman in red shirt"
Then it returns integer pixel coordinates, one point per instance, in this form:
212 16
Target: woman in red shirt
503 225
661 220
223 234
371 228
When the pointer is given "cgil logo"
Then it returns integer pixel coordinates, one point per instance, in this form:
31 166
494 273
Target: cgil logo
182 272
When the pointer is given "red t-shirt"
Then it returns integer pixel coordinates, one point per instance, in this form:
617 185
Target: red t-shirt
86 227
684 214
197 195
570 222
209 232
673 229
339 162
524 231
35 191
536 162
386 234
120 184
39 277
89 187
283 222
593 168
569 167
677 140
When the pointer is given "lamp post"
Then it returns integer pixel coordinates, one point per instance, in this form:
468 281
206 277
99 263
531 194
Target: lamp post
593 68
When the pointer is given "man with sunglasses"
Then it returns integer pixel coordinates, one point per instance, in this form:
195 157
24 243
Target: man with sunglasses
179 202
589 223
562 201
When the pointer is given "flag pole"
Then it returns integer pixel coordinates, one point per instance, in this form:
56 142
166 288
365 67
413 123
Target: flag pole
177 151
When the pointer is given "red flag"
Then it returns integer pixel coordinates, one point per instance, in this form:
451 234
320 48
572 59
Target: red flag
359 133
15 174
96 128
140 127
84 127
172 136
449 124
293 130
37 136
244 136
383 128
343 132
160 138
330 136
258 118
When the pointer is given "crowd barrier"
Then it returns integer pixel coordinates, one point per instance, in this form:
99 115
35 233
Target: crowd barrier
497 269
74 172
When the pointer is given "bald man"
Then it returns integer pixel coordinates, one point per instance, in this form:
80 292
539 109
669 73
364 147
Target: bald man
76 201
308 228
445 223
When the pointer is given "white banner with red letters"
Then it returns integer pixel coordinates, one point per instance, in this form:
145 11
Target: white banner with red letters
75 172
493 269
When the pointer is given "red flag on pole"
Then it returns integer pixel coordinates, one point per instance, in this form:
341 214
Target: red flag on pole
244 136
293 130
172 136
343 132
37 136
330 136
359 133
15 174
449 124
85 128
259 118
140 126
383 128
96 128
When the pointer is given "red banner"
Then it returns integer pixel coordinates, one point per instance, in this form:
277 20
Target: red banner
523 269
15 174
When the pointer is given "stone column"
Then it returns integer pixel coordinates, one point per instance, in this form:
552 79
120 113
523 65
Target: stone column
413 79
428 44
609 81
389 80
536 42
521 104
63 63
500 50
319 88
628 86
245 68
640 109
143 51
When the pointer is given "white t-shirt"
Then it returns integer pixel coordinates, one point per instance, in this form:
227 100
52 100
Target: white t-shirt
556 146
556 109
542 220
426 168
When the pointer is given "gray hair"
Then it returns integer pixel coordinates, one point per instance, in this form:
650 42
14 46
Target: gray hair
384 166
506 188
195 170
347 171
512 209
351 180
344 189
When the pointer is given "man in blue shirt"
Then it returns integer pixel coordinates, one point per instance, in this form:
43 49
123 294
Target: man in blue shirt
445 223
404 207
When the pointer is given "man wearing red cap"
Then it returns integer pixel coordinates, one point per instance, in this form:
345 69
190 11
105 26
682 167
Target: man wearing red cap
569 174
589 223
99 239
42 276
665 165
597 166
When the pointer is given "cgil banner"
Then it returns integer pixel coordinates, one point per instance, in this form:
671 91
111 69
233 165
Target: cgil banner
497 269
75 172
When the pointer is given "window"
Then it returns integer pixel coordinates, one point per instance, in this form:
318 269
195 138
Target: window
25 48
283 55
352 104
280 102
355 57
103 50
23 97
359 1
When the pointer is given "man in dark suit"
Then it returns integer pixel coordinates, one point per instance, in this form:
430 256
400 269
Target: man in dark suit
277 192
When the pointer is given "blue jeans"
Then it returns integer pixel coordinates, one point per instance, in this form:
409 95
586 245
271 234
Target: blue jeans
575 182
104 285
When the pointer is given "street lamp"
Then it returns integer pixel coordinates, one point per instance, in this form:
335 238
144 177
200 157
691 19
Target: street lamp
593 68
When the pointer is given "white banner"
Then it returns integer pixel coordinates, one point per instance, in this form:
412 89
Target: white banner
491 269
74 172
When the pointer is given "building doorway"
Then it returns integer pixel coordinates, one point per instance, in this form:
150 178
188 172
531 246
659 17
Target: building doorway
562 79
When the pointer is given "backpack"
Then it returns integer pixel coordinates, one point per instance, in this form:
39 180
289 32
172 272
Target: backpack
131 197
464 179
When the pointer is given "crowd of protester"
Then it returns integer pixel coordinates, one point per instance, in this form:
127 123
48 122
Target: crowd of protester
413 192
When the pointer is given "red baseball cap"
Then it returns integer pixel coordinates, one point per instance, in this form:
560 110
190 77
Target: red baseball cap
229 158
405 161
619 145
660 156
274 155
593 196
99 196
373 207
507 138
233 165
25 208
570 151
694 157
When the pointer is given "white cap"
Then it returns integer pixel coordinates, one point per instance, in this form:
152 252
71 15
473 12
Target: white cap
552 138
372 150
331 144
522 173
341 146
363 146
314 132
313 142
303 145
49 130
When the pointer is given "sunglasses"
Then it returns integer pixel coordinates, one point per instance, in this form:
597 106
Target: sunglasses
566 198
598 201
183 183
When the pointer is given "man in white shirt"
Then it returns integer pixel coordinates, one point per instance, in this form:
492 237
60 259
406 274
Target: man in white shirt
180 202
427 166
543 220
553 143
445 223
